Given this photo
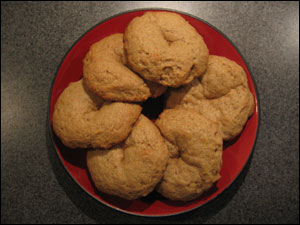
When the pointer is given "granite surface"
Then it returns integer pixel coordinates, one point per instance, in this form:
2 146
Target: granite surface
35 36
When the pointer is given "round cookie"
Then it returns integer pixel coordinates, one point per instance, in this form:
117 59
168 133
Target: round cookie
106 75
132 169
83 120
195 150
232 104
164 48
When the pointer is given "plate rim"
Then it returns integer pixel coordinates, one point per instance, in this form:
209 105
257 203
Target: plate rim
158 9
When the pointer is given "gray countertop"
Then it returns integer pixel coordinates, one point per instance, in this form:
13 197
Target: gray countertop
34 39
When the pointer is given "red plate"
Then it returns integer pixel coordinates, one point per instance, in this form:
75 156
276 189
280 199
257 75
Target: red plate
235 154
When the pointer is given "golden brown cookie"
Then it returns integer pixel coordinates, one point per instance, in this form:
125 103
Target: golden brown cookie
106 75
132 169
195 150
222 96
164 48
83 120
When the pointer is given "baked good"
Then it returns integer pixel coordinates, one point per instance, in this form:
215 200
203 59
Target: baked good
83 120
164 48
105 73
132 169
195 151
222 95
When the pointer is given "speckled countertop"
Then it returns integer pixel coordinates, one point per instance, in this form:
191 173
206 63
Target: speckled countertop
34 39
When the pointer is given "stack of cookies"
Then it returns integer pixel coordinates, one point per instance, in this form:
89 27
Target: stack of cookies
207 101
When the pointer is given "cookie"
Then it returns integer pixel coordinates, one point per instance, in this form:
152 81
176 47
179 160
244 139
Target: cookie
195 151
83 120
105 72
133 168
230 103
164 48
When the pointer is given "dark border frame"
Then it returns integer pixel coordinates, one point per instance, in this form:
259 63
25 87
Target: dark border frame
160 9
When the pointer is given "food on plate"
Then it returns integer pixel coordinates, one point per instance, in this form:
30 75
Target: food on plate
133 168
82 120
180 154
195 154
164 48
